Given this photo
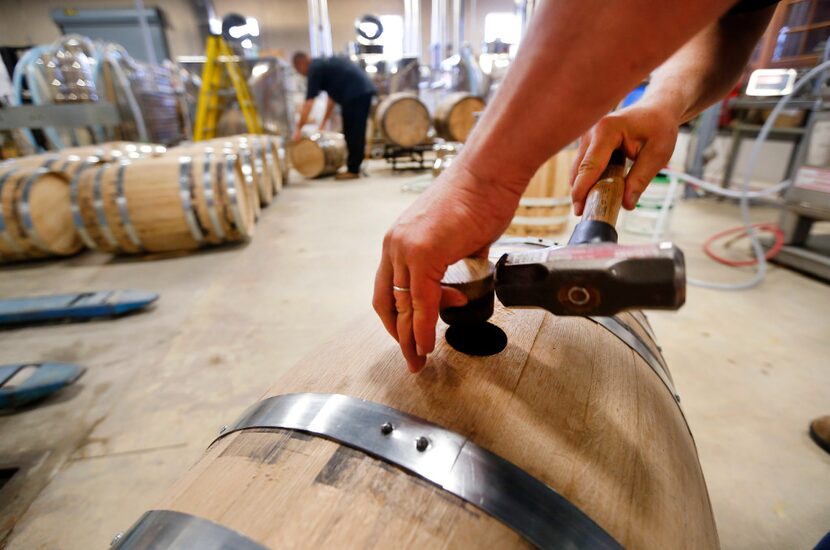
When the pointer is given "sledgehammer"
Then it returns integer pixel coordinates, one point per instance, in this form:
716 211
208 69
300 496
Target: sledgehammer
592 275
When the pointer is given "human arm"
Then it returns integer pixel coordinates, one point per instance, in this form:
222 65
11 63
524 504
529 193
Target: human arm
577 61
697 75
327 116
304 112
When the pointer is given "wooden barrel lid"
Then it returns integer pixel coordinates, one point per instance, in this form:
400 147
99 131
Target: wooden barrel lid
404 119
308 158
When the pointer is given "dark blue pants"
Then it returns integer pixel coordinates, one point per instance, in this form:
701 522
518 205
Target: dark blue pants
355 113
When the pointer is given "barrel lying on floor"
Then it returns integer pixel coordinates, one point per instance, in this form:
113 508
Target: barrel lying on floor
571 437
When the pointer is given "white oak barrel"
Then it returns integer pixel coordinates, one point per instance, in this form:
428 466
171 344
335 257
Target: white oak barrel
35 215
142 206
455 115
545 205
403 119
571 437
320 154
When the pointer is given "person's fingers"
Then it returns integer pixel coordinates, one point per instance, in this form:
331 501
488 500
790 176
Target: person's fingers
426 297
604 140
404 317
452 297
650 160
384 299
584 141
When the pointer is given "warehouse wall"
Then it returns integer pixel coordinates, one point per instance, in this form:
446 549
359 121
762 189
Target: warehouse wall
283 23
25 22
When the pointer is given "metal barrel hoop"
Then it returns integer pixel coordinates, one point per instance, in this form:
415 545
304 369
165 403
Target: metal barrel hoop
186 185
100 211
248 172
231 192
9 240
75 207
631 339
211 198
446 459
258 166
123 211
176 530
27 224
271 161
47 164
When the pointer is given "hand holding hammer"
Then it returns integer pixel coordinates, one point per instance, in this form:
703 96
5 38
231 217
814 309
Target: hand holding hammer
592 275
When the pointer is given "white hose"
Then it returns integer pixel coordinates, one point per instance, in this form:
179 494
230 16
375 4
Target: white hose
745 195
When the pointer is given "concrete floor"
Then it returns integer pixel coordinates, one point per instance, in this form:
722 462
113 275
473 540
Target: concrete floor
753 368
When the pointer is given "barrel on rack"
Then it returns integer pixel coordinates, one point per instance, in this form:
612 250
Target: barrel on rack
320 154
403 119
161 205
572 437
455 115
35 218
545 205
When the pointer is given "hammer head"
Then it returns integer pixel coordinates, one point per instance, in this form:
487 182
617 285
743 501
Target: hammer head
595 279
474 278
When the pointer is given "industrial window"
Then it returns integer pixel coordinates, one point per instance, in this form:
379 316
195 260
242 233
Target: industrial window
502 25
796 36
392 37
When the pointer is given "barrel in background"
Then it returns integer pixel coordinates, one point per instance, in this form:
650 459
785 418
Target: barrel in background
320 154
455 115
544 208
35 218
403 119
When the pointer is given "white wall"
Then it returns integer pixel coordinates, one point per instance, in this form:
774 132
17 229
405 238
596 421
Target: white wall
283 23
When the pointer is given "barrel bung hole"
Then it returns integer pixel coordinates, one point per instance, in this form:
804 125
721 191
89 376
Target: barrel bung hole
480 339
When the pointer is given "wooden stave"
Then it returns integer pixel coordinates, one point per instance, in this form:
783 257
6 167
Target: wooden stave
444 111
544 208
383 379
332 151
23 235
158 230
382 113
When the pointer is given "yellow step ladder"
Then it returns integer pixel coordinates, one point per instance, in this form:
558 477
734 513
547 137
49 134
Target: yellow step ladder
214 80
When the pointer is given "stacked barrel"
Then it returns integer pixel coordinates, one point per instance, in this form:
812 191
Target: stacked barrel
127 198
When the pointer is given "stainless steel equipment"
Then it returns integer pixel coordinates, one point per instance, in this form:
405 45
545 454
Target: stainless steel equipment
807 202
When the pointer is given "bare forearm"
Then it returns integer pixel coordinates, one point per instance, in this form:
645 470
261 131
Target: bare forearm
327 116
707 67
577 61
309 103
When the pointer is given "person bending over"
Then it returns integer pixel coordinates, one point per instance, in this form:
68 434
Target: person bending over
347 85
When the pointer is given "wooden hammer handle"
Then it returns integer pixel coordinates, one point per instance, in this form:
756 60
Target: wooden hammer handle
605 197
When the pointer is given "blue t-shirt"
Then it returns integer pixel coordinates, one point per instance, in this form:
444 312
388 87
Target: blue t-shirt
341 79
